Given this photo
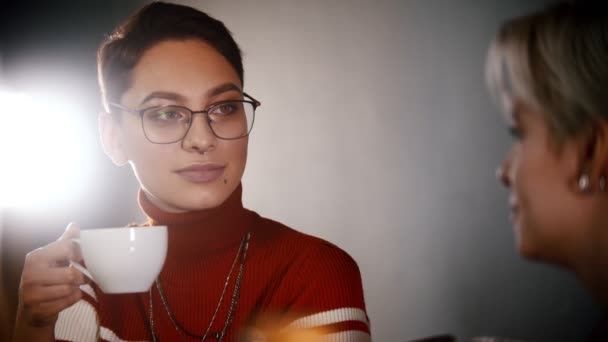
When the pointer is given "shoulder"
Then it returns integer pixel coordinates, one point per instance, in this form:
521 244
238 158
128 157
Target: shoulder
273 236
321 285
312 269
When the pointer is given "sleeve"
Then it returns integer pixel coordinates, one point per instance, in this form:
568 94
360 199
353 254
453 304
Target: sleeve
80 321
329 296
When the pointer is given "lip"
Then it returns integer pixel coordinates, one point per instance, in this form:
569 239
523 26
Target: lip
201 173
514 208
513 214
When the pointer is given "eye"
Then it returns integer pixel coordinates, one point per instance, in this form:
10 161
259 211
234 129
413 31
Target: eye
166 114
515 132
227 108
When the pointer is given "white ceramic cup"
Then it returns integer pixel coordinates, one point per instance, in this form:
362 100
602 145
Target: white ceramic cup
123 260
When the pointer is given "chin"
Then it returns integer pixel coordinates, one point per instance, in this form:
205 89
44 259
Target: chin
534 252
527 248
528 253
206 196
535 244
177 195
202 201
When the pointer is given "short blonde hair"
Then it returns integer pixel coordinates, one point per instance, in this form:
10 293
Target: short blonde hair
557 61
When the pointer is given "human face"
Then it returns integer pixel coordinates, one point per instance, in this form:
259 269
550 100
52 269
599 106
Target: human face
549 214
192 74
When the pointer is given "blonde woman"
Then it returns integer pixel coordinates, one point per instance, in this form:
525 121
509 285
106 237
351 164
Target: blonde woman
549 72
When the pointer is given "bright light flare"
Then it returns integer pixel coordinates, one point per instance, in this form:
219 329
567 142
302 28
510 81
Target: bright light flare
42 150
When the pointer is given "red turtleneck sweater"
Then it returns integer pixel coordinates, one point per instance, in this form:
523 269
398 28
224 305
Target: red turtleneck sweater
299 280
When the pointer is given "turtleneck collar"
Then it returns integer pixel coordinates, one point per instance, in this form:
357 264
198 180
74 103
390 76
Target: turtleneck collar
199 232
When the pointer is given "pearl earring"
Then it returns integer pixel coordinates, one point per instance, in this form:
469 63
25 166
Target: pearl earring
584 182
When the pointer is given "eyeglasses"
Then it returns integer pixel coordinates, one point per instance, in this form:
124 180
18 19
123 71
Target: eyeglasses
229 120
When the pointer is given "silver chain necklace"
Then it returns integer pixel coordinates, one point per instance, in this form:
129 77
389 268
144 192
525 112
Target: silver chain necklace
242 252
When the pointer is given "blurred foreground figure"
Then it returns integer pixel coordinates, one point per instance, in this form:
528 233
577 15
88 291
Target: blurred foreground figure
549 73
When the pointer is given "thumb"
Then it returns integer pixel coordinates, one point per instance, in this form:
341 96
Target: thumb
71 232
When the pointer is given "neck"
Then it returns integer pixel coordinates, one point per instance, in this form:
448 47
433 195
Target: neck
592 268
195 233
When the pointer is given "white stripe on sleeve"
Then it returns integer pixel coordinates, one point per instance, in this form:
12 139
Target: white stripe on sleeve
77 323
109 335
329 317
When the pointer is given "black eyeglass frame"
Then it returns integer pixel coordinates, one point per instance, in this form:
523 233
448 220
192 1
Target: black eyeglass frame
255 103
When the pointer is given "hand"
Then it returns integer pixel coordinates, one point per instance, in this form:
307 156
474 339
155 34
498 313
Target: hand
48 285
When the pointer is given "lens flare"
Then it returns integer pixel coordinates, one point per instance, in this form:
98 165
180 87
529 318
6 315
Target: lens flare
41 150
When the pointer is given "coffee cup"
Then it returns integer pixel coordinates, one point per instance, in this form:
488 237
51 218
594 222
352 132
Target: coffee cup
123 260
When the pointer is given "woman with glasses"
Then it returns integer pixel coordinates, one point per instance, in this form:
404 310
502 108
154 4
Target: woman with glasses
172 84
549 72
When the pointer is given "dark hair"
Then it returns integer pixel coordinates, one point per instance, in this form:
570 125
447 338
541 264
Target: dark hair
152 24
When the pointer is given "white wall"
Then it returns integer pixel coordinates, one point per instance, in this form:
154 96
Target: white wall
376 133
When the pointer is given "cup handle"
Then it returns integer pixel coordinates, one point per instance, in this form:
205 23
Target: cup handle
78 266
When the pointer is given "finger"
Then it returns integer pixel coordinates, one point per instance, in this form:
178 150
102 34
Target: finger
54 254
72 231
57 305
41 276
77 256
84 273
46 311
49 293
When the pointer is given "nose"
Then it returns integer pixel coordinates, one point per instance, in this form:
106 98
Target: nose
199 138
503 172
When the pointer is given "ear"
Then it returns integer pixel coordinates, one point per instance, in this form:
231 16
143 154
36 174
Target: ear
109 133
597 160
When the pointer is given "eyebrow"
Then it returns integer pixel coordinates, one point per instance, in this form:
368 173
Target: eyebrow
223 88
165 95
